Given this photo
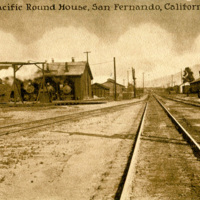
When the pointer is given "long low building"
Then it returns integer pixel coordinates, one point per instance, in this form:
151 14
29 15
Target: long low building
110 83
100 90
195 85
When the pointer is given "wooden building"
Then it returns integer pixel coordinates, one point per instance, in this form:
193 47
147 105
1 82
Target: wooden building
100 90
128 92
184 88
195 86
76 74
110 83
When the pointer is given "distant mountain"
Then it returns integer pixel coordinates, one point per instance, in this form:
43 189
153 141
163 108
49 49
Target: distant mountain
166 81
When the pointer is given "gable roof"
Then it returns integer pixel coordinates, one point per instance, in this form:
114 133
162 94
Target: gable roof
5 66
100 85
195 81
112 81
67 69
184 84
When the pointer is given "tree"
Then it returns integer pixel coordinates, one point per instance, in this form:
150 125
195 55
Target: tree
188 75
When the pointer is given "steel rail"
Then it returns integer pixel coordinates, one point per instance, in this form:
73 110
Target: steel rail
50 118
189 102
41 125
48 121
181 129
125 194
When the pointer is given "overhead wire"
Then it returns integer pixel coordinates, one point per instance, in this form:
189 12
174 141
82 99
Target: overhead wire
101 63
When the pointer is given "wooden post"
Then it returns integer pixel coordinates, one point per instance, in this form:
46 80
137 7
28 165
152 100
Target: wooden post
115 82
43 78
87 52
143 82
181 77
42 84
134 82
135 88
14 84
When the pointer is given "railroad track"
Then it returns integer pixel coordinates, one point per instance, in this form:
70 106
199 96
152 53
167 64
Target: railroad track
194 144
189 102
14 128
127 185
187 114
126 182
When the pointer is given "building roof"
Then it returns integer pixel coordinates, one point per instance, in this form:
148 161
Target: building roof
67 69
196 81
102 86
184 84
112 81
4 66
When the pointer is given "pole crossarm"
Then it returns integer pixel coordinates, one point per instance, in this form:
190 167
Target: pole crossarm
22 63
38 66
87 52
18 68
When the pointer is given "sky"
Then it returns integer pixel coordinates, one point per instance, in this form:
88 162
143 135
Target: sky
156 43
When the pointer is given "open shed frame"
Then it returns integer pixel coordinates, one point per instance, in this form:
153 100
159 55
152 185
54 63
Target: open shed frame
16 66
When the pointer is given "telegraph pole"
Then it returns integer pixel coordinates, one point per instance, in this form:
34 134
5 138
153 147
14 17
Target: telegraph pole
143 82
87 52
134 82
127 78
115 82
181 76
14 82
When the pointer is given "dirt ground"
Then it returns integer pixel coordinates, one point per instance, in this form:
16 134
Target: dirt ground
81 159
10 115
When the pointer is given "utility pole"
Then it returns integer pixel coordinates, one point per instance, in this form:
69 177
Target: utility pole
181 76
14 82
143 82
87 52
127 78
172 80
115 82
134 82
